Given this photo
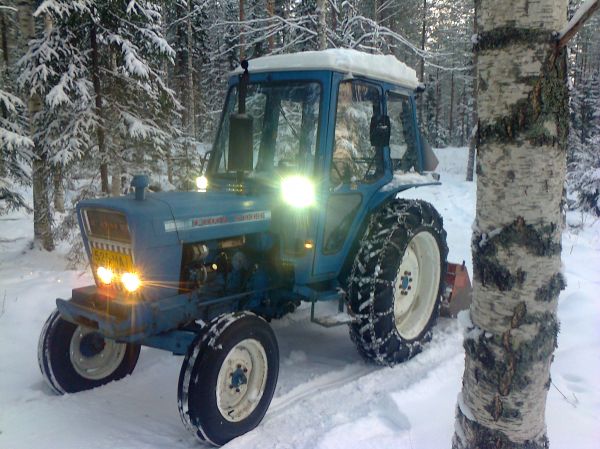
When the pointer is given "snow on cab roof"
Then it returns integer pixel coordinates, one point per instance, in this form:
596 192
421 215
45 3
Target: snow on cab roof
381 67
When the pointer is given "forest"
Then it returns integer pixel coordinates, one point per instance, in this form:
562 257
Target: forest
92 92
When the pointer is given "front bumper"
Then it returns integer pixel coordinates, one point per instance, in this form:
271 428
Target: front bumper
116 317
122 318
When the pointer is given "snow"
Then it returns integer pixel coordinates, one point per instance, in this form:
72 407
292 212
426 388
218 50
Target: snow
326 397
409 178
352 62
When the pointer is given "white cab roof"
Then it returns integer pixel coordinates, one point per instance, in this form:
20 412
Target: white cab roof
381 67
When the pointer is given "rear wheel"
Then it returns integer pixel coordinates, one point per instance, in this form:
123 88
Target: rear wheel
74 358
228 378
396 282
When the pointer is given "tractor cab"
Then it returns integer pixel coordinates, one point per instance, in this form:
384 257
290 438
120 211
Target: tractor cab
323 133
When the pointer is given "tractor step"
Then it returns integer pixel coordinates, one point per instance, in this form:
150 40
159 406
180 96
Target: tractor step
335 318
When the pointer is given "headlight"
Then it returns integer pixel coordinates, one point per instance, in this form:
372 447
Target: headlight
298 191
105 275
131 281
202 183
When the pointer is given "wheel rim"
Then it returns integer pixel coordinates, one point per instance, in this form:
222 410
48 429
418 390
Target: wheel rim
242 379
93 356
416 285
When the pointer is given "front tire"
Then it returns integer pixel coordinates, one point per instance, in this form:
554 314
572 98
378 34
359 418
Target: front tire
74 358
228 378
396 282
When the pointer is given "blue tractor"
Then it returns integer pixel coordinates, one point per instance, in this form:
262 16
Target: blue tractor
297 202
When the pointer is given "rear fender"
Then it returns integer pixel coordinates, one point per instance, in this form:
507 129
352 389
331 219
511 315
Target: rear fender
388 192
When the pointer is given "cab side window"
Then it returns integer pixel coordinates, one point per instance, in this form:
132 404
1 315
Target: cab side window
354 159
403 149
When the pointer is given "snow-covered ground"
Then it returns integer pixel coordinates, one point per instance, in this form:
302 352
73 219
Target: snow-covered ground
326 396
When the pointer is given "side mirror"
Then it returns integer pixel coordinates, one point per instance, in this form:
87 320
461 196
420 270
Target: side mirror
430 160
240 143
204 160
380 131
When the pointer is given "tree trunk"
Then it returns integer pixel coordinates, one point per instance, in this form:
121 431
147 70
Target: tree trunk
322 27
523 126
474 119
451 118
271 12
190 74
42 218
3 78
59 189
422 60
242 19
98 98
438 103
115 186
4 45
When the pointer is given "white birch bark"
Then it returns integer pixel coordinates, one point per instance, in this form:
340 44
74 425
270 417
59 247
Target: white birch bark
516 242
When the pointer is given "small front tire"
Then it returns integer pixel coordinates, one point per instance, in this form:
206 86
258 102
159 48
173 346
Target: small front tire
74 358
228 378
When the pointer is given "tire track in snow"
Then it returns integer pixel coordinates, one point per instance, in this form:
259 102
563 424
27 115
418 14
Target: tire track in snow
323 383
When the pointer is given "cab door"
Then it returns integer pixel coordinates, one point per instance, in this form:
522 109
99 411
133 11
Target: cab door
354 171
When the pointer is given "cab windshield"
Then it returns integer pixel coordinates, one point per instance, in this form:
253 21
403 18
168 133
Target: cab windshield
284 127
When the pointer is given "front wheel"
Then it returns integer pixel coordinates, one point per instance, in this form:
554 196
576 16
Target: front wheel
228 378
74 358
396 282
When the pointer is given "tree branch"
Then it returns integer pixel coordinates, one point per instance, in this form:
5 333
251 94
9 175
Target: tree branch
584 12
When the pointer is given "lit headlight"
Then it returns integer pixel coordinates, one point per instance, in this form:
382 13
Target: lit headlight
298 191
105 275
131 281
202 183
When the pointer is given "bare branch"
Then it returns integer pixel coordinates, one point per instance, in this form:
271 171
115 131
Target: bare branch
584 12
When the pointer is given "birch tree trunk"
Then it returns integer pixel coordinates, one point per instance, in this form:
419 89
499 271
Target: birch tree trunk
523 123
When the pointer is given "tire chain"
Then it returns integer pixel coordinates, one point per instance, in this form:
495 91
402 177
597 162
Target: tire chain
397 211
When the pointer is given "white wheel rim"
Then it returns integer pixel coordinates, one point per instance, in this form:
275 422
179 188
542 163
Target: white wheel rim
416 285
242 379
99 364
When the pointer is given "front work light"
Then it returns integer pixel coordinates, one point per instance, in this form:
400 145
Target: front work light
298 191
105 275
202 183
131 281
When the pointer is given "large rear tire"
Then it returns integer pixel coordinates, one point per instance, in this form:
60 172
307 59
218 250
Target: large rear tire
74 358
396 281
228 378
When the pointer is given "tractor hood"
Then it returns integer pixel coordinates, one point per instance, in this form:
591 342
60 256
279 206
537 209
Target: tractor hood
168 218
